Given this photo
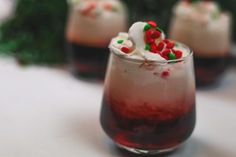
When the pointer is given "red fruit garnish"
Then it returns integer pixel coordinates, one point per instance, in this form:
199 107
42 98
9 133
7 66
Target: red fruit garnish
150 40
125 49
178 54
166 57
154 48
156 35
166 41
160 46
170 45
165 52
149 33
152 23
148 37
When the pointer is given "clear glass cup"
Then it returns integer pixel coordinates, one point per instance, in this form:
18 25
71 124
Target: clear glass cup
91 25
149 107
208 36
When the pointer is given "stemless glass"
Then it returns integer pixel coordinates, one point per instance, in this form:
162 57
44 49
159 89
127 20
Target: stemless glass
91 25
149 106
209 38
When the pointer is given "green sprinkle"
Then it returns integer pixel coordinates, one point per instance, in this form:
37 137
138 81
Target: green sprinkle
159 29
147 47
171 56
120 41
147 27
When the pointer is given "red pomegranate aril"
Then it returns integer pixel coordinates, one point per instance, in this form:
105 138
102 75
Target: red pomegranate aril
125 49
166 41
160 46
166 52
152 23
154 48
170 45
156 35
178 54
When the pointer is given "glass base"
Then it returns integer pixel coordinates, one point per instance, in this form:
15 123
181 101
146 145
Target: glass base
148 152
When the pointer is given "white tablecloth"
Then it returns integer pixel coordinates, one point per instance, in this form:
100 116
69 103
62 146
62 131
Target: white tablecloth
45 112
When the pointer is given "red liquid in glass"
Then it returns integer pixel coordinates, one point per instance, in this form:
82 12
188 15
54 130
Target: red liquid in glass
210 70
87 62
148 126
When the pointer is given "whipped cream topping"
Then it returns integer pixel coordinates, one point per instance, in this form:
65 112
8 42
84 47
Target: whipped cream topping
146 41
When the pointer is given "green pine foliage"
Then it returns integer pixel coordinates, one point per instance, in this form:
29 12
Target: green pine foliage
35 34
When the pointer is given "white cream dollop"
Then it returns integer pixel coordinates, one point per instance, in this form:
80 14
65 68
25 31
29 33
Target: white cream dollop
134 40
137 36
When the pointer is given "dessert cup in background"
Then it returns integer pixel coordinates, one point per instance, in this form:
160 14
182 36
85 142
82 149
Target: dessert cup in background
91 25
207 31
149 97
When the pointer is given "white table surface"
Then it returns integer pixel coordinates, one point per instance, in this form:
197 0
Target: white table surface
45 112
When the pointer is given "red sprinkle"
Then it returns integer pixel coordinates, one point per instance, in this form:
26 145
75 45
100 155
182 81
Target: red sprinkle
150 40
165 74
160 46
166 57
166 41
170 45
125 49
154 48
148 33
156 35
178 54
148 37
165 52
152 23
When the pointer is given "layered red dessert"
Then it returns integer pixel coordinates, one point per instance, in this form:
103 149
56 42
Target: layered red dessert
149 97
91 25
206 30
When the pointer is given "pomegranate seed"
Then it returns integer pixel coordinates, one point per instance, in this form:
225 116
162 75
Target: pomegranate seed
170 45
152 23
125 49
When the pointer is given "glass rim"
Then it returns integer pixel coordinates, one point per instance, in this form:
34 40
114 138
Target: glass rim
156 62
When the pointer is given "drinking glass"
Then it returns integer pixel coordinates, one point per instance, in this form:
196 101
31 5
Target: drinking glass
148 107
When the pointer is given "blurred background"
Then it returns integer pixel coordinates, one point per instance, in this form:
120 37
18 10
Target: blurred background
43 109
35 32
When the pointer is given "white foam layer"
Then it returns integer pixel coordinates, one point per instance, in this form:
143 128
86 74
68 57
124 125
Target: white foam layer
203 27
137 84
97 27
144 76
